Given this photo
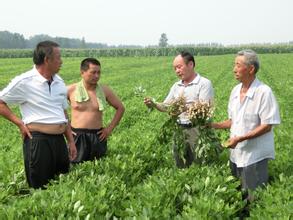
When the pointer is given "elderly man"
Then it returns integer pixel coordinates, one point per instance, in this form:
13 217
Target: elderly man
193 87
41 95
88 101
253 110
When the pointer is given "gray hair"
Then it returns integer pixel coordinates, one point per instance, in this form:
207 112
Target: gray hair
250 58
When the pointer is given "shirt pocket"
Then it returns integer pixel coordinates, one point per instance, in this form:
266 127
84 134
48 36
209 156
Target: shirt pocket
251 121
191 93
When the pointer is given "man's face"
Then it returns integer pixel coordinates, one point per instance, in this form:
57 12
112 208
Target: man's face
241 70
184 71
55 61
92 75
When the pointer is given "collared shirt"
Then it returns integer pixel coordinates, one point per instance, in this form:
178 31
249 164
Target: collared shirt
258 107
39 102
200 89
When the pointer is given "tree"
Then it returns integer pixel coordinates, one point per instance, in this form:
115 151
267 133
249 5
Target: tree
163 42
83 44
11 40
34 40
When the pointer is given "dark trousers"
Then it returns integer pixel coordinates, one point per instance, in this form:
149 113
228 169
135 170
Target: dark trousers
88 144
45 156
252 176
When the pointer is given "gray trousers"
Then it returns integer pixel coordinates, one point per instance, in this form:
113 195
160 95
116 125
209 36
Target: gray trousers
252 176
191 135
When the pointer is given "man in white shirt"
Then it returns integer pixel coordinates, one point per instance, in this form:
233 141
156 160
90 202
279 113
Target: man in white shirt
253 110
193 87
42 97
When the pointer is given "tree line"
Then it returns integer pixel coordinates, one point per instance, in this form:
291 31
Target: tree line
10 40
18 46
151 51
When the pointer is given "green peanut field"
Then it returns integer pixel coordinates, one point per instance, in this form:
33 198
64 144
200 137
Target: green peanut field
138 178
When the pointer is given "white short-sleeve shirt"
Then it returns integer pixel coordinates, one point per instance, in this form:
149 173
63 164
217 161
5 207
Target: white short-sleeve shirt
199 89
258 107
39 102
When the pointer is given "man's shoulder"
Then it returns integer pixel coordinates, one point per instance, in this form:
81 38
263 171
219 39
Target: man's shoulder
264 90
235 89
24 77
106 89
237 86
104 86
177 83
21 81
205 81
59 78
264 87
71 88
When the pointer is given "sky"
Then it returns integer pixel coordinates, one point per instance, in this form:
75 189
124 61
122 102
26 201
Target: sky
137 22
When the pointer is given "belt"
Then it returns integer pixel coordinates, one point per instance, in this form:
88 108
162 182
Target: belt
185 125
85 130
41 134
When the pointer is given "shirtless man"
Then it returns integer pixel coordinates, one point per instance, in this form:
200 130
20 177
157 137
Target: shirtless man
41 95
88 101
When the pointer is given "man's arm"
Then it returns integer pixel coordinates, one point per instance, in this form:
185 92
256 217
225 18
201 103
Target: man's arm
162 107
115 102
206 92
159 106
258 131
269 115
222 125
70 96
70 90
70 140
8 114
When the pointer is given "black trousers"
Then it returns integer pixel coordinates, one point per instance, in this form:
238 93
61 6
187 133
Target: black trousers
88 144
45 156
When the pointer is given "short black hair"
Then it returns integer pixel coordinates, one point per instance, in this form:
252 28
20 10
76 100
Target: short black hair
187 57
42 50
84 66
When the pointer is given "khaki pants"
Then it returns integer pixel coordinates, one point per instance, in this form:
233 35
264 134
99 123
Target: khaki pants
190 138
